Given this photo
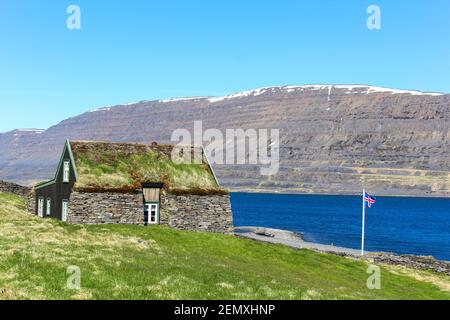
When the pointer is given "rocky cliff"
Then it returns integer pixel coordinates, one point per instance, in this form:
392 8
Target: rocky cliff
333 139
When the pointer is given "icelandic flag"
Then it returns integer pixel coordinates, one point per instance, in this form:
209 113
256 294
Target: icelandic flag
369 200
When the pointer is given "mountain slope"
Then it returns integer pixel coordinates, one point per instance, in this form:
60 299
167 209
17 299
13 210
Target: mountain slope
333 139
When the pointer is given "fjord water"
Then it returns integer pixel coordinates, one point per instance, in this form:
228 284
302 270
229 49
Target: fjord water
419 226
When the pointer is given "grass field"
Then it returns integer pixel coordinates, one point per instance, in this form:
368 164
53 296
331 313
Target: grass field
132 262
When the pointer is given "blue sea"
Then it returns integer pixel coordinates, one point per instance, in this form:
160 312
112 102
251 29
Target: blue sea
419 226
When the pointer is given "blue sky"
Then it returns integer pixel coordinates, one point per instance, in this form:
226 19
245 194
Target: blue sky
142 50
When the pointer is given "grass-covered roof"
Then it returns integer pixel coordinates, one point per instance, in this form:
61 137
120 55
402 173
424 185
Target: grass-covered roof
104 166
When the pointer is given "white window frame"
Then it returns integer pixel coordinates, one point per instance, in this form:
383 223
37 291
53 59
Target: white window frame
64 210
48 208
66 171
41 207
149 210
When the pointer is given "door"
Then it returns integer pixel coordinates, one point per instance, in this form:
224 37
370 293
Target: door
153 213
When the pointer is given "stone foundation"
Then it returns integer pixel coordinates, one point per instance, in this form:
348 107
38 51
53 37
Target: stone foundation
187 212
192 212
13 188
106 208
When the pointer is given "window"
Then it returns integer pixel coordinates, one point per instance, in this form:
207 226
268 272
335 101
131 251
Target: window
49 206
41 207
152 210
66 171
65 210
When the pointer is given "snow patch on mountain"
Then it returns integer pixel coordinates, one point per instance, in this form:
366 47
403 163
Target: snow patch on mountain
108 108
350 89
183 99
30 130
373 89
243 94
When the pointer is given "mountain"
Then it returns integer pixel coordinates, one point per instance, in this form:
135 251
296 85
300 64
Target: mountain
333 138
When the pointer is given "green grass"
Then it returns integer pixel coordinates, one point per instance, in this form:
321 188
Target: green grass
107 169
132 262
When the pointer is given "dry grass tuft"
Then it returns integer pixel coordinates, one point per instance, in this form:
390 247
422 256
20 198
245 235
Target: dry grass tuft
440 281
311 294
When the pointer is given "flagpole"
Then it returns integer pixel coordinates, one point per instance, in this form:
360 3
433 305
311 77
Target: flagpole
363 221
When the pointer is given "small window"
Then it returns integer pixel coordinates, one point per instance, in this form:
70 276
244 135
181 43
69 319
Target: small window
41 207
65 210
66 171
152 213
49 206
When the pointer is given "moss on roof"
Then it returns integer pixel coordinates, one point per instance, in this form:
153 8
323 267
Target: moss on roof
124 167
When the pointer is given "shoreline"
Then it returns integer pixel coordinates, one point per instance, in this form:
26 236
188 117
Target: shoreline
291 239
296 241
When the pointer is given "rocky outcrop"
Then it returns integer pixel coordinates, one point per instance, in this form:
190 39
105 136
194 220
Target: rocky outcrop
334 139
269 232
13 188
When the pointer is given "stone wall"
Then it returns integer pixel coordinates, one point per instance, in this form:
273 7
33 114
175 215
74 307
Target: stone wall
13 188
31 202
411 261
109 208
188 212
192 212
